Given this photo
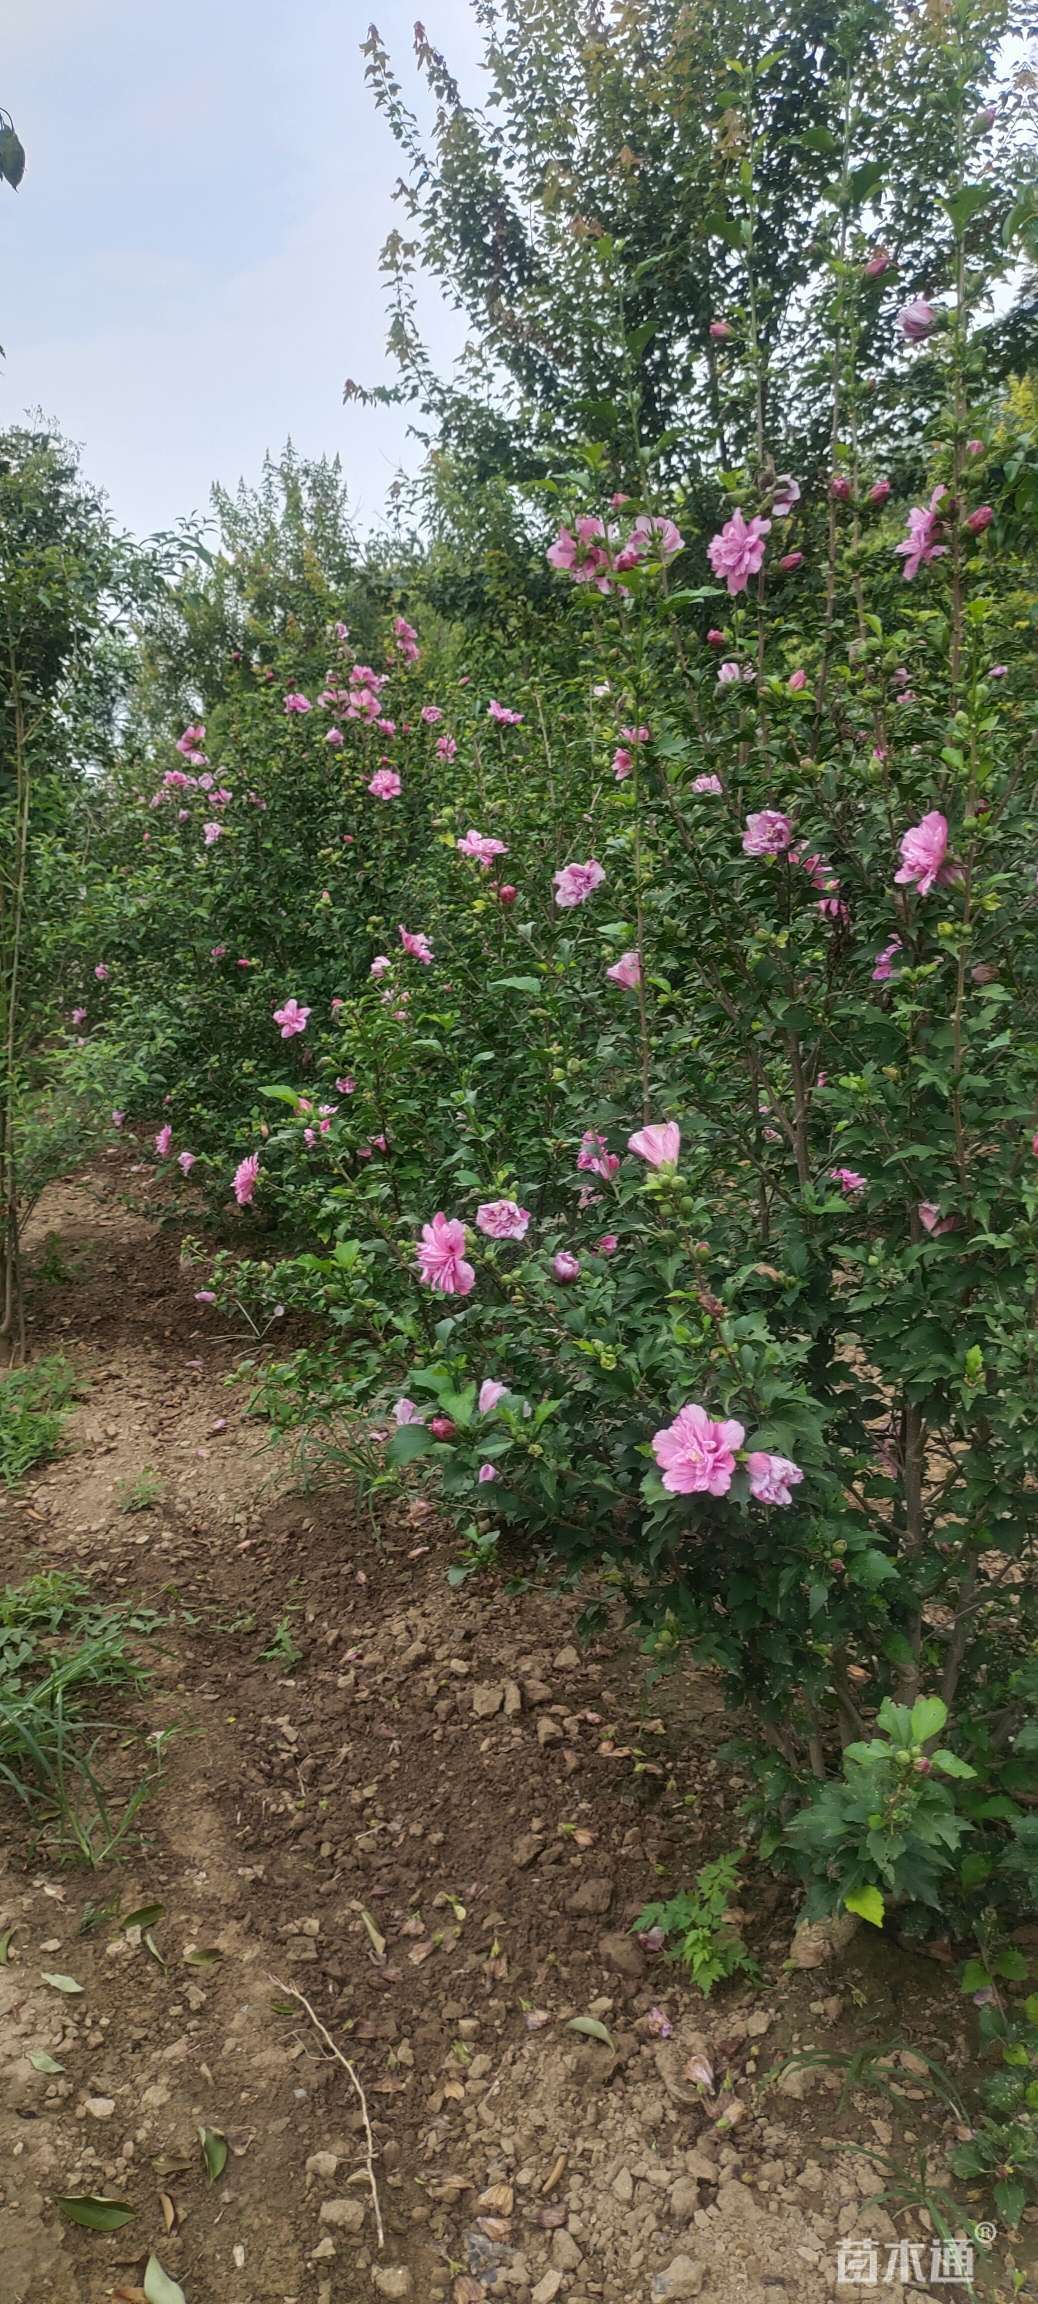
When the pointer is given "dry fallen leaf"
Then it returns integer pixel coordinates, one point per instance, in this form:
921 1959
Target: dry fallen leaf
497 2200
169 2213
555 2173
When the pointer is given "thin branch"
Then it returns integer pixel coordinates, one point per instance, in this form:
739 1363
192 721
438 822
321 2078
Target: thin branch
347 2067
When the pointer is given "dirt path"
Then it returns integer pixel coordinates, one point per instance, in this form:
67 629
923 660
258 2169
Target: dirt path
454 1775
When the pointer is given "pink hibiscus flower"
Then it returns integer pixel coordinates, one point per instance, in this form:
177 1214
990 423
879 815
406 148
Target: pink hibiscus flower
417 945
576 882
502 1219
565 1266
626 971
406 639
916 320
696 1454
655 534
190 745
848 1180
659 1144
440 1257
292 1019
503 715
595 1156
924 850
772 1478
385 784
294 702
481 845
163 1141
884 963
246 1177
737 552
922 543
490 1392
767 834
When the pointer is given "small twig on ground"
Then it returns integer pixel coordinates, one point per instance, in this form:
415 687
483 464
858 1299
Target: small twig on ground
300 1998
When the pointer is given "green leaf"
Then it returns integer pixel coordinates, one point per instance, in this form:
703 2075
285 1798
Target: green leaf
870 1569
61 1983
41 2062
1011 1964
5 1946
864 180
12 158
1010 2200
967 203
868 1904
158 2287
950 1764
94 2212
202 1956
975 1977
214 2152
516 984
927 1718
409 1441
145 1916
592 2029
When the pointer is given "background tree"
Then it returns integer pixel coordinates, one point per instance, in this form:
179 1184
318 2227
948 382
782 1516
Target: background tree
707 161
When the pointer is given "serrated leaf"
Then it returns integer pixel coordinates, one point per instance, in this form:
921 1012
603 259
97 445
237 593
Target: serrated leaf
60 1983
94 2212
408 1442
593 2030
41 2062
158 2287
214 2152
868 1904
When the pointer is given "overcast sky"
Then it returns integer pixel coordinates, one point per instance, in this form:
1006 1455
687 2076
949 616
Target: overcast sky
190 269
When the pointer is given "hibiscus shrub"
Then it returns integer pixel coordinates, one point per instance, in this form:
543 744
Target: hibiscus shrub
656 1083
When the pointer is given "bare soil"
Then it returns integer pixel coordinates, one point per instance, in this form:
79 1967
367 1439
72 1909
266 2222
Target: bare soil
436 1822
